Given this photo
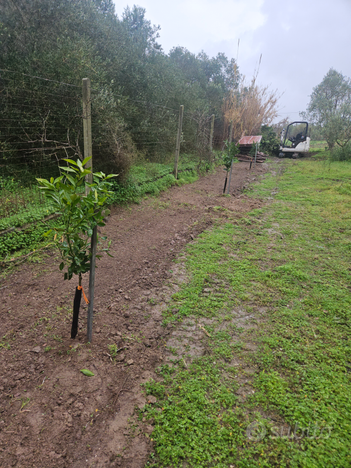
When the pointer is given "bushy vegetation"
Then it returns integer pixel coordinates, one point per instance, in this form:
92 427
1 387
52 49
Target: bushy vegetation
330 108
229 154
341 153
27 239
270 142
137 88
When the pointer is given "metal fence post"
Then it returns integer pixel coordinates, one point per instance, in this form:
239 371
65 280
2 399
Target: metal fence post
88 152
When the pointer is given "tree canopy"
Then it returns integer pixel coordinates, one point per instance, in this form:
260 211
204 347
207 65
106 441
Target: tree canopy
138 88
330 108
67 40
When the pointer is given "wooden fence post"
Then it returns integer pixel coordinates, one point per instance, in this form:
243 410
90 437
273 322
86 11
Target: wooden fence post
231 166
231 132
211 133
88 152
179 135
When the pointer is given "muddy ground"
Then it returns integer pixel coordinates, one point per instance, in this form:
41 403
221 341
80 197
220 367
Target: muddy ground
51 415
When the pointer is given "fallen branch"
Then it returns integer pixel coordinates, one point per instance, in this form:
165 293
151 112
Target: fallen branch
204 330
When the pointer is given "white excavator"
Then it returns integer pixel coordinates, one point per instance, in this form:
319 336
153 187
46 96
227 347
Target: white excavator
294 142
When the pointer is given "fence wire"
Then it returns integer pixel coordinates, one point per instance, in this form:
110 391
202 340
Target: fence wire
41 124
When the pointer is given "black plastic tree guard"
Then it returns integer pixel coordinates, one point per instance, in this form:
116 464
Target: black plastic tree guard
76 306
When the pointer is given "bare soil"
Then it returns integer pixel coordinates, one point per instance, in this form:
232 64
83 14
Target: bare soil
51 415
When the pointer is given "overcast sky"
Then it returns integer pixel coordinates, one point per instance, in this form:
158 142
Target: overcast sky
300 40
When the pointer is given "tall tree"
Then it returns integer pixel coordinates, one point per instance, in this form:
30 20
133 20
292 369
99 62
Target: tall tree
137 87
330 108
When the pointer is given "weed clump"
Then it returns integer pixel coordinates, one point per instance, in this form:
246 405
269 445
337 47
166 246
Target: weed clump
341 153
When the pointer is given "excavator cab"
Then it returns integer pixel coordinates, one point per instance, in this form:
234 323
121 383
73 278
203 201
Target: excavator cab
294 140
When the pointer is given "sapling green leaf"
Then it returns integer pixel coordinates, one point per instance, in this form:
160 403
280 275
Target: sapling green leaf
71 162
67 169
80 213
86 160
229 155
58 179
87 372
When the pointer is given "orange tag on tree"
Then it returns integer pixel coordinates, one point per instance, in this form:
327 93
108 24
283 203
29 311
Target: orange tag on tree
85 297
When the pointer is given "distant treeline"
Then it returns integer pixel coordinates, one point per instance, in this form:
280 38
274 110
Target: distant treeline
137 87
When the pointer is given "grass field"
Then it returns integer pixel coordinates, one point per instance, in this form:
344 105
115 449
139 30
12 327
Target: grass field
271 293
318 144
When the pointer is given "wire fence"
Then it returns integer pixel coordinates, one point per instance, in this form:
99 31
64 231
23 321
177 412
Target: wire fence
41 125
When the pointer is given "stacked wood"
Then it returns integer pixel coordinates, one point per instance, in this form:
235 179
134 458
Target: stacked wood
261 157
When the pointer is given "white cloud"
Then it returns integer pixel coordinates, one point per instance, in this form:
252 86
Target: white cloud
194 23
225 19
299 41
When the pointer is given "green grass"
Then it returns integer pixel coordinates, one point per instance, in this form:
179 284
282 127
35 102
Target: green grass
287 267
153 178
25 207
318 145
26 240
21 205
319 150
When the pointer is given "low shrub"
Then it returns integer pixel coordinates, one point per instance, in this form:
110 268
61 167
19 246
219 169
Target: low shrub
269 143
341 153
26 239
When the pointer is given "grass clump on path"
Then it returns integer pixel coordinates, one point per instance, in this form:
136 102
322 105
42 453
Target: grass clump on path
261 372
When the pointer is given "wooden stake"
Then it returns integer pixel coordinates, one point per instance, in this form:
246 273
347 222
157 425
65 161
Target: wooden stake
179 135
231 132
231 166
211 133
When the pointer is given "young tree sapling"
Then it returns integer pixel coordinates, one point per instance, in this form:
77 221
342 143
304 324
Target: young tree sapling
79 213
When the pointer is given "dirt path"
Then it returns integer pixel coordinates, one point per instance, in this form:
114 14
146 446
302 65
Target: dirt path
50 413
